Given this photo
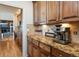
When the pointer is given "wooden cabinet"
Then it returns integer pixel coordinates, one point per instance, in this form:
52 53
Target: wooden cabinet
35 13
39 12
44 53
45 50
35 52
49 12
45 47
58 53
42 12
52 11
46 12
33 49
39 49
69 11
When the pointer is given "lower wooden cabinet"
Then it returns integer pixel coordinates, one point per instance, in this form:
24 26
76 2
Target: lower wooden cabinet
35 52
44 53
45 47
36 49
58 53
39 49
44 50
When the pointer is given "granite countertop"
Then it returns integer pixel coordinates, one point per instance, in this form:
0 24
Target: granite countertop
70 48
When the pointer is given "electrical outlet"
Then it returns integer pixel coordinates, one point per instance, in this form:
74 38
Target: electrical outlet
75 33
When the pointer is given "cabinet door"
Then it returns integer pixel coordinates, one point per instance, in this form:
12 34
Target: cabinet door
69 10
42 12
36 52
35 13
45 47
44 53
39 12
44 50
58 53
52 11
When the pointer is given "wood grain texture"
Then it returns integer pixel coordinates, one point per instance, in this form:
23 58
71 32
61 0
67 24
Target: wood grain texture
8 48
52 10
68 9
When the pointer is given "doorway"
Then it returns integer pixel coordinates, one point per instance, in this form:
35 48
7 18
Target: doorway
10 31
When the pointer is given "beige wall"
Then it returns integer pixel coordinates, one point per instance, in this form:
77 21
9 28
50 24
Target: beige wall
74 28
7 12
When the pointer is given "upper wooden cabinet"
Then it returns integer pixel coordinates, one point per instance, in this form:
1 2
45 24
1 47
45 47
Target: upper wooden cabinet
52 11
69 10
42 12
35 13
39 12
46 12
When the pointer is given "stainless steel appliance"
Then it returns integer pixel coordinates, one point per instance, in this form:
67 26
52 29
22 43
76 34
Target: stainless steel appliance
62 34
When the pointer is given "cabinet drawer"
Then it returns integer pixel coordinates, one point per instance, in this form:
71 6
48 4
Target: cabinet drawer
44 47
35 42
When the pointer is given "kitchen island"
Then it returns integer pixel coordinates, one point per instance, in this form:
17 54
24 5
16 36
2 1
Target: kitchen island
46 46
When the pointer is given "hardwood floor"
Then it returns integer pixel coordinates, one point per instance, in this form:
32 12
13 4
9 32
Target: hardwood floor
8 48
